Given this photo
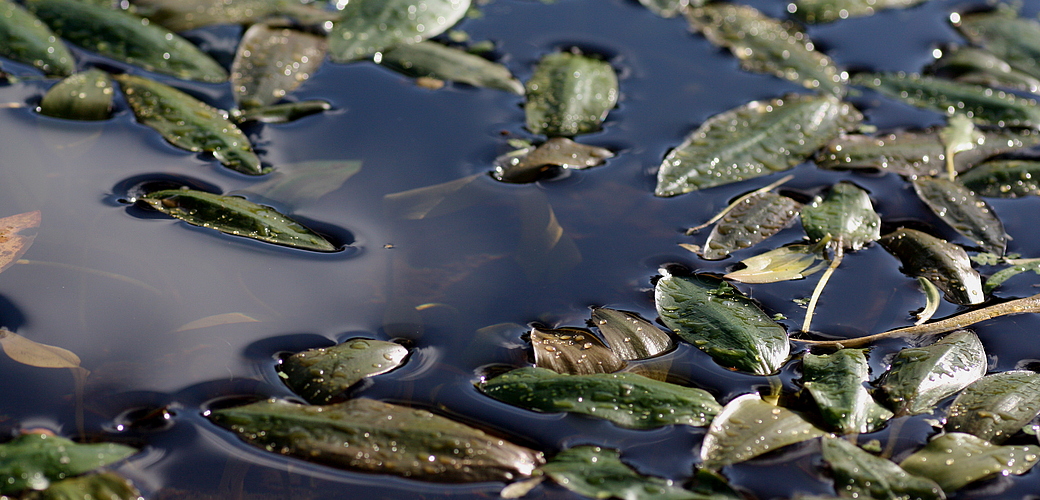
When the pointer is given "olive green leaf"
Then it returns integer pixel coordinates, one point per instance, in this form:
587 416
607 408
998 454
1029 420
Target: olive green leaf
82 96
271 62
755 219
627 399
931 300
781 264
183 15
996 406
25 39
32 353
630 336
719 320
845 214
1017 266
189 123
529 164
922 376
944 264
597 472
835 381
669 8
569 94
126 37
103 486
573 351
366 27
756 139
981 67
33 461
748 427
236 216
280 113
982 104
322 375
955 459
1003 178
767 45
367 435
858 474
305 181
825 11
965 212
434 60
1008 36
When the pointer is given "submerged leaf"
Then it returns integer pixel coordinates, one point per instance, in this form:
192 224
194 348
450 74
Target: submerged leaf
236 216
996 406
1004 178
13 244
835 381
366 27
959 207
569 94
321 375
573 351
183 15
431 59
748 427
1001 31
858 474
846 215
920 377
305 181
437 200
630 336
755 219
944 264
825 11
25 39
217 320
32 353
82 96
597 472
956 459
530 164
33 461
271 62
370 436
103 486
782 264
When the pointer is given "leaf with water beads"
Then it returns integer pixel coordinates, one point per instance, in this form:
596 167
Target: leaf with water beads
569 94
981 67
1004 178
597 472
825 11
183 15
24 38
322 375
756 218
835 381
748 427
32 353
846 215
529 164
102 486
965 212
1017 267
996 406
573 351
33 461
920 377
944 264
366 27
1001 31
955 459
434 60
630 336
858 474
271 62
82 96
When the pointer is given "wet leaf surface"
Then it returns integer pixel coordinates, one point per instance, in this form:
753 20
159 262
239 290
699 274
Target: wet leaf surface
82 96
1019 267
965 212
597 472
920 377
367 435
836 382
236 216
955 459
369 26
859 474
846 215
103 486
750 222
271 62
1008 36
281 113
981 67
996 406
1004 178
573 351
13 244
748 427
35 461
322 375
944 264
183 15
569 94
32 353
630 336
719 320
825 11
305 181
782 264
24 38
756 139
530 164
434 60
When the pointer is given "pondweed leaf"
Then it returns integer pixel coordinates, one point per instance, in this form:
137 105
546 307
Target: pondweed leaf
322 375
439 199
183 15
1019 266
25 39
1004 178
630 336
13 244
996 406
217 320
530 163
835 381
859 474
102 486
767 45
236 216
931 300
719 320
627 399
82 96
34 461
569 94
366 27
748 427
753 220
305 181
573 351
431 59
756 139
1001 31
981 67
920 377
846 215
782 264
965 212
280 113
126 37
367 435
271 62
189 123
944 264
955 459
825 11
32 353
597 472
669 8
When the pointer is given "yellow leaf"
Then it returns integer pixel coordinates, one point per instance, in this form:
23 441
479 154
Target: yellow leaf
217 320
32 353
12 244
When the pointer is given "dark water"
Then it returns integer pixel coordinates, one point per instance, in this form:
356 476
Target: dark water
114 286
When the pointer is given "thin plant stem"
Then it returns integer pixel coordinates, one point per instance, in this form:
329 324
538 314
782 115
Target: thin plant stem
838 253
737 202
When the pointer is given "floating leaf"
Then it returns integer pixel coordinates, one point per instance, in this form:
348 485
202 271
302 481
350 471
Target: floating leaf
845 215
322 375
669 8
981 67
782 264
996 406
305 181
835 381
1001 31
920 377
597 472
271 62
755 219
825 11
858 474
956 459
189 123
573 351
13 244
32 353
968 214
767 45
366 27
529 164
184 15
630 336
626 399
236 216
126 37
431 59
944 264
569 94
33 461
719 320
748 427
367 435
753 140
1020 266
281 113
217 320
103 486
1004 178
25 39
82 96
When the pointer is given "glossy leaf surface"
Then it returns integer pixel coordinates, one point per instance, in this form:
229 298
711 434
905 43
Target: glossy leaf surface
183 15
825 11
597 472
24 38
630 336
846 215
755 219
944 264
532 163
748 427
859 474
82 96
569 94
836 382
967 213
271 62
369 26
33 461
920 377
103 486
281 113
1004 178
321 375
955 459
1010 37
782 264
996 406
573 351
439 61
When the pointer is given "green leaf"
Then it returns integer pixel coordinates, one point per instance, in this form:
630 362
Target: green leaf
297 183
845 215
782 264
931 300
271 62
34 461
858 474
965 212
756 139
626 399
767 45
752 221
236 216
996 406
183 15
981 67
748 427
982 104
569 94
944 264
189 123
322 375
920 377
25 39
954 460
1005 34
825 11
835 381
128 38
281 113
630 336
597 472
103 486
431 59
719 320
530 164
669 8
1004 178
573 351
82 96
999 277
366 27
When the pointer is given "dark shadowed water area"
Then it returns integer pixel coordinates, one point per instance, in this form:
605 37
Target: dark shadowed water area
116 284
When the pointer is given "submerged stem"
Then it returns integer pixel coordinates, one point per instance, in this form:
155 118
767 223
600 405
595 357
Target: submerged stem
838 253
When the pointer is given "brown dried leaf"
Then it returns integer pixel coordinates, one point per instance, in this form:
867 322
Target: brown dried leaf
12 244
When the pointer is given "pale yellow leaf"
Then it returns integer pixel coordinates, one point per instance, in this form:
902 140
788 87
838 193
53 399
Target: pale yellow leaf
217 320
782 264
33 353
12 244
